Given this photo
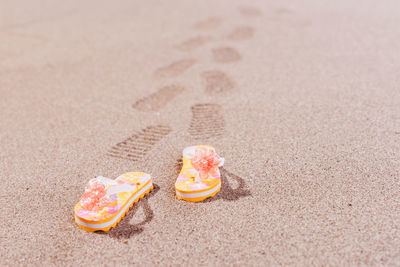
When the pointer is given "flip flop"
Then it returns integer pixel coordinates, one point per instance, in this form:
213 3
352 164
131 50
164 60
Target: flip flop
200 177
106 201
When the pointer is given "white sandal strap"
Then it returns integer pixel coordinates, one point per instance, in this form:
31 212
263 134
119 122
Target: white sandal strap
113 186
222 162
106 181
120 188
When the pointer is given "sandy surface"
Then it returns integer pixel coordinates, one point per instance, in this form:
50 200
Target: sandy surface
302 98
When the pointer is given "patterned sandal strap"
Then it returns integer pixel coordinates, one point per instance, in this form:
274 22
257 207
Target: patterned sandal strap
115 187
120 188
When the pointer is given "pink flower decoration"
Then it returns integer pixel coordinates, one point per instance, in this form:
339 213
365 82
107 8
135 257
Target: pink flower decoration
205 160
95 197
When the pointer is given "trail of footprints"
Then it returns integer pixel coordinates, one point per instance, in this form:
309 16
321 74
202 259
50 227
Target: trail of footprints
215 81
207 119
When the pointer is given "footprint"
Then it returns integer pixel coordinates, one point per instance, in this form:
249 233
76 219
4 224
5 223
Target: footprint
124 228
175 68
241 33
158 99
225 54
207 121
194 42
135 147
208 24
217 81
250 11
227 192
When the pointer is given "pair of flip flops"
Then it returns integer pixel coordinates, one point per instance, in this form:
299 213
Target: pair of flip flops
106 201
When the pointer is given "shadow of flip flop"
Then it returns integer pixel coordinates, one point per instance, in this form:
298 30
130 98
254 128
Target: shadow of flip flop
124 228
228 193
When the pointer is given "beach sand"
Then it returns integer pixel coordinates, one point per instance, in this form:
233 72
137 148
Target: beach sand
301 98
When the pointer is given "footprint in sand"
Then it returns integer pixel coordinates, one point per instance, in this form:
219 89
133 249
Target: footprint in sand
159 99
195 42
249 11
140 211
207 121
241 33
225 54
175 68
208 24
178 166
136 147
216 81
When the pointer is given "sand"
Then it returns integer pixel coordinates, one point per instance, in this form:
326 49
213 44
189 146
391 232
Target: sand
301 97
